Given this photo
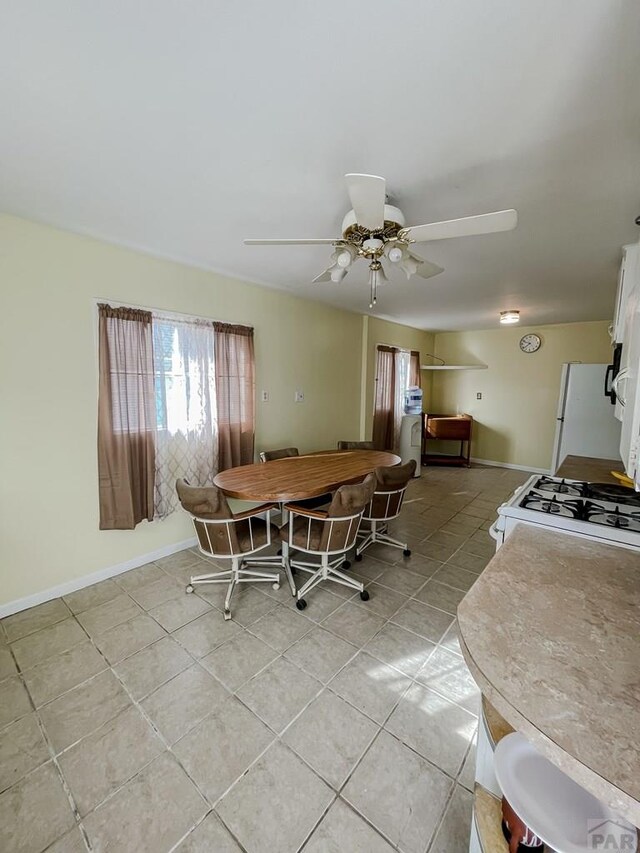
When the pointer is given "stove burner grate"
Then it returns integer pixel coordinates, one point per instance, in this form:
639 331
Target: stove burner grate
553 506
561 487
613 518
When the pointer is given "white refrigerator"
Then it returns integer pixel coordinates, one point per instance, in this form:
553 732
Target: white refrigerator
585 424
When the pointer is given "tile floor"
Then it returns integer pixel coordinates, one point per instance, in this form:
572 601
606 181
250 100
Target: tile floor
134 718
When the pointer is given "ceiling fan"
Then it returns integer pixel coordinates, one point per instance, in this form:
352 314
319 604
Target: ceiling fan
374 230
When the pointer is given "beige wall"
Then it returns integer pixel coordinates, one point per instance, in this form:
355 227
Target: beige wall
516 416
384 332
49 283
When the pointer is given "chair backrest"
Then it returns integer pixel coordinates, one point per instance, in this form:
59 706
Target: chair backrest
212 518
348 503
271 455
356 445
391 484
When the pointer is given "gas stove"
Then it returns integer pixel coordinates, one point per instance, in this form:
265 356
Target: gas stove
601 511
595 491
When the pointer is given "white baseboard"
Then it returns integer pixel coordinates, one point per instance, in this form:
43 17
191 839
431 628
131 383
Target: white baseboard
510 465
88 580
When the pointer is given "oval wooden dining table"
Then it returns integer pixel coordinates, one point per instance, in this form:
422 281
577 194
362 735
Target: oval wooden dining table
298 477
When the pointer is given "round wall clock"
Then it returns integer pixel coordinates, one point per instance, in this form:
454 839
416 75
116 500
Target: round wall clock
530 343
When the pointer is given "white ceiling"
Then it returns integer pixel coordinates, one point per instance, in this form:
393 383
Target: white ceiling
182 127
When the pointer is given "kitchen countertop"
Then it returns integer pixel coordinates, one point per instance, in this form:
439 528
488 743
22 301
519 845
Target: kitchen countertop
590 468
551 634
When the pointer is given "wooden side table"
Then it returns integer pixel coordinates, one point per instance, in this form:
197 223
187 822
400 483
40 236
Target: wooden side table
447 428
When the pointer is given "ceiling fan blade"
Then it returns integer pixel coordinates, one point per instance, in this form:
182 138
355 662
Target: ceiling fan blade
332 241
324 276
485 223
426 269
368 194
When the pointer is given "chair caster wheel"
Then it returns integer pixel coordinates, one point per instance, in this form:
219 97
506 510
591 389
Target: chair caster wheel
276 586
346 564
358 558
227 614
189 588
301 604
406 552
364 595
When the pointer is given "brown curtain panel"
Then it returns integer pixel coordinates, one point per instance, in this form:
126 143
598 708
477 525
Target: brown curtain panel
235 394
383 412
126 418
414 369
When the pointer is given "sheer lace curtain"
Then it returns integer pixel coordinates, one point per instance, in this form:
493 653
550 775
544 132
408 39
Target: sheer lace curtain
185 391
403 363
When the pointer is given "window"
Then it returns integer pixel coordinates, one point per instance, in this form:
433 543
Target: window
184 373
176 399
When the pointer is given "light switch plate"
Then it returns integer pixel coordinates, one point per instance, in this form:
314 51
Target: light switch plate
479 396
299 397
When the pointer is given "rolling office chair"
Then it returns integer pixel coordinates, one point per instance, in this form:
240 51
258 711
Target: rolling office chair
385 505
328 534
356 445
310 503
223 535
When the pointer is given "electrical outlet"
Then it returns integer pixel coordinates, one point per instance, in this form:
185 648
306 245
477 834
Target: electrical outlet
265 396
299 397
478 396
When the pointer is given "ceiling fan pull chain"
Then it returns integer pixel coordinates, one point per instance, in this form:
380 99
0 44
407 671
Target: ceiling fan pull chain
373 281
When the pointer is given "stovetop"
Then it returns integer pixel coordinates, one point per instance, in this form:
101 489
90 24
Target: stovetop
604 504
595 491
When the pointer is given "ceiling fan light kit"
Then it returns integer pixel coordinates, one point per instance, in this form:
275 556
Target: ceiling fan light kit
346 257
373 230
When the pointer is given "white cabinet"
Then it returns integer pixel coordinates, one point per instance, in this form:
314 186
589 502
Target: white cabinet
626 386
627 281
627 382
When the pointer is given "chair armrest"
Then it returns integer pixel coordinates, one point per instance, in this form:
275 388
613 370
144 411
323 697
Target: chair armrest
257 510
302 510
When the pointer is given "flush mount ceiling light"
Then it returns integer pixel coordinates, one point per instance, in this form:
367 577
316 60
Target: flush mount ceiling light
508 318
376 231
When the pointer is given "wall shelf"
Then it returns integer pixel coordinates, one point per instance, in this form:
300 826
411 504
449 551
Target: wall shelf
442 365
454 366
